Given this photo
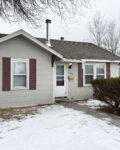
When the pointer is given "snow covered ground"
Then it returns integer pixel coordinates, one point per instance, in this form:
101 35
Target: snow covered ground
59 128
94 104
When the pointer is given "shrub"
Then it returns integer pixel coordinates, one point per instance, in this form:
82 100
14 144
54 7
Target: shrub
108 90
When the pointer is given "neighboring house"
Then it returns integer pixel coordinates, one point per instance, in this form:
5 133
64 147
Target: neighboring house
33 73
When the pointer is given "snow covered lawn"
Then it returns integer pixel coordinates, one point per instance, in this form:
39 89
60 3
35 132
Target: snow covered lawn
92 103
59 128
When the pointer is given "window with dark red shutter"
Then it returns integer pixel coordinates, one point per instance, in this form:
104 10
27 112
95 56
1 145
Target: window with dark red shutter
32 74
20 74
107 70
6 74
80 75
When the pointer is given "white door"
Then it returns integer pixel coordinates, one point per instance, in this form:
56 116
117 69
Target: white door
60 84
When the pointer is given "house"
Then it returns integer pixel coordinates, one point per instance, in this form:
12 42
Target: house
36 71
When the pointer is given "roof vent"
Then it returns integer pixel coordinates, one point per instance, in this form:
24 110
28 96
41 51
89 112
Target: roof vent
62 38
48 32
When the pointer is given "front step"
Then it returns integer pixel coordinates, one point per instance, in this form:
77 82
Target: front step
61 99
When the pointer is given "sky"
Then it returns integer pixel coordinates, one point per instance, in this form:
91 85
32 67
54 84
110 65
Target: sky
75 29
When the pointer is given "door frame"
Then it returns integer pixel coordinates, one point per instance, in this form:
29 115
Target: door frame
65 78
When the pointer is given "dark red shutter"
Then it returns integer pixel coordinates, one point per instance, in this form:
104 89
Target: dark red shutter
32 74
80 75
53 60
6 74
107 70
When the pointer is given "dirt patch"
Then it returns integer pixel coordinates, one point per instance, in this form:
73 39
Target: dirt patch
19 112
108 109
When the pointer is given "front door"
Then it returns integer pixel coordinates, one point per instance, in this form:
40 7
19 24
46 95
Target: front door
60 87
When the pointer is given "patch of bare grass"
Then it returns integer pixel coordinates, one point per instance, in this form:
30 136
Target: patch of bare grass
19 112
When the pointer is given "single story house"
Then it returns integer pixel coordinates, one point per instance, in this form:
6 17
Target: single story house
35 72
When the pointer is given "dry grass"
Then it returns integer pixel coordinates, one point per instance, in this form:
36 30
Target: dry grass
108 109
19 112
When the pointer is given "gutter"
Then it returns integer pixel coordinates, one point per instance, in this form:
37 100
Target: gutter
88 60
97 60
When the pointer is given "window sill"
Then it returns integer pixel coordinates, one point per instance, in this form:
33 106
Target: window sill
87 85
19 89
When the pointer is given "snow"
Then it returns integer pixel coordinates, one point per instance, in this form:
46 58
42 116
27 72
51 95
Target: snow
59 128
94 104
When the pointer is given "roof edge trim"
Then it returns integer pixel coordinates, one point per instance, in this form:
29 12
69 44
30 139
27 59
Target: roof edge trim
89 60
30 37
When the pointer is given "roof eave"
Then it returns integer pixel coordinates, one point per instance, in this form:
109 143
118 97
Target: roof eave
89 60
100 60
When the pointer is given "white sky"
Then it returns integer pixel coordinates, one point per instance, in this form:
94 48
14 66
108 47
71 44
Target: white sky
75 30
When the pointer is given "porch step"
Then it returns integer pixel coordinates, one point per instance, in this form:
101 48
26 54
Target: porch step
61 99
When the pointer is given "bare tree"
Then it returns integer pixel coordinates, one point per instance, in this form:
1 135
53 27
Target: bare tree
105 34
34 10
112 38
97 29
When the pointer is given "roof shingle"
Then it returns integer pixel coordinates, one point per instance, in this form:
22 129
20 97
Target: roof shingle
81 50
78 50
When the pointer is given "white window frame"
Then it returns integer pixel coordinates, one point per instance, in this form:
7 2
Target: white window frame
60 75
27 74
94 71
88 74
100 74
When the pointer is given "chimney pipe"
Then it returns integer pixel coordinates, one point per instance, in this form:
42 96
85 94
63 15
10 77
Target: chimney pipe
62 38
48 21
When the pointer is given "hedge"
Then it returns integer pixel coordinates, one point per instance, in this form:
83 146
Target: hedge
108 90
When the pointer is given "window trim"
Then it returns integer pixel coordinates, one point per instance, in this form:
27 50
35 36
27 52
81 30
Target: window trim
88 74
100 74
60 75
27 74
94 71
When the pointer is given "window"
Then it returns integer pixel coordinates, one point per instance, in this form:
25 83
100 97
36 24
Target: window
20 74
60 75
100 71
88 74
93 71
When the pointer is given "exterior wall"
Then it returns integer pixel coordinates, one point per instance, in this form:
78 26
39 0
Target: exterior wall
75 92
85 92
22 48
114 70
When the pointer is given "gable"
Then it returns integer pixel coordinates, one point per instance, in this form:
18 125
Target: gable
32 39
20 47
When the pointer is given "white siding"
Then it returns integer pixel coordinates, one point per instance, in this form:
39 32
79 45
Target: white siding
114 70
75 92
21 48
86 92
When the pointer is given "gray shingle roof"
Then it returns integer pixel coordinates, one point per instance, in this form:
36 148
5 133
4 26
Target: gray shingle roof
2 35
79 50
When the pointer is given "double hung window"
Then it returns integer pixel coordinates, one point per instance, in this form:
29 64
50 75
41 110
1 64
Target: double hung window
20 74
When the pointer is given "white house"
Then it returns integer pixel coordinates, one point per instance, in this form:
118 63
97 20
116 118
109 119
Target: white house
37 71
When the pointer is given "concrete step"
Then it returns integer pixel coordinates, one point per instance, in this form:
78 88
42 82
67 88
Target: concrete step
61 99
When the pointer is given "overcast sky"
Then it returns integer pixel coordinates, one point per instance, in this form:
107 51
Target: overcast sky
75 30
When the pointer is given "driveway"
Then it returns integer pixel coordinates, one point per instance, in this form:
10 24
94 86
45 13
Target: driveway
112 119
